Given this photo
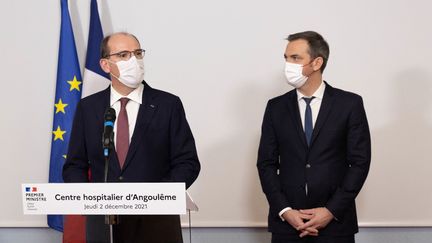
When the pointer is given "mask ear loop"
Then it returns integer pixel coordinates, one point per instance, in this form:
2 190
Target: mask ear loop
111 72
309 64
114 76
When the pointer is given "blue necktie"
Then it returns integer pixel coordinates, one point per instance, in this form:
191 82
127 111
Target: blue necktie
308 120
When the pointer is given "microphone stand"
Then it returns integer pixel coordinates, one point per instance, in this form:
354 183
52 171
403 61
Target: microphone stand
108 146
109 219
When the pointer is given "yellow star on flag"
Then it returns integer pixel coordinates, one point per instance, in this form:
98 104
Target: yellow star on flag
58 134
74 84
64 156
60 107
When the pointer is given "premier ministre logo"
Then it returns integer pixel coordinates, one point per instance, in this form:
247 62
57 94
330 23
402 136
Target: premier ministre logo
31 189
32 195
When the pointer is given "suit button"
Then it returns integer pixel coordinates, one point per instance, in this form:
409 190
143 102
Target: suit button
120 178
308 166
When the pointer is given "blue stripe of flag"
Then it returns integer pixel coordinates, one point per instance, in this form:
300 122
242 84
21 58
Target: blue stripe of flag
94 41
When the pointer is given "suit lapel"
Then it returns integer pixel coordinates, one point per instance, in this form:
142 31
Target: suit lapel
294 113
102 105
324 111
145 114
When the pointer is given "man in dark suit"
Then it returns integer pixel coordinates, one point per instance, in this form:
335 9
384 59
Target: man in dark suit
153 141
315 150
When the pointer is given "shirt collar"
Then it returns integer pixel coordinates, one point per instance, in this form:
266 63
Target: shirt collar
319 93
135 95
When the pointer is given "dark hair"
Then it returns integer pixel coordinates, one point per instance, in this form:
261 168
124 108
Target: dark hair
318 47
104 49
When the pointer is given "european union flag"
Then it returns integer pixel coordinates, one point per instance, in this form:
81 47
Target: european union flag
68 93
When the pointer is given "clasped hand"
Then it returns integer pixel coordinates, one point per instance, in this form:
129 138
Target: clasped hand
308 221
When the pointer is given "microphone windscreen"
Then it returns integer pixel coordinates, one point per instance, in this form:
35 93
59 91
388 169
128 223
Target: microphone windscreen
110 114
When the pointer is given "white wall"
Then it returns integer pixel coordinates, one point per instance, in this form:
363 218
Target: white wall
224 59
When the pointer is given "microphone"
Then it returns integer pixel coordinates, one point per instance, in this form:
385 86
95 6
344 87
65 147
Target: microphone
108 133
108 145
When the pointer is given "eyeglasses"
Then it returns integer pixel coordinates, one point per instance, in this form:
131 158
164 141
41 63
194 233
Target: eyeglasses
126 55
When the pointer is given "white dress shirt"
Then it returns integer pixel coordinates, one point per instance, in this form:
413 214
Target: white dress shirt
315 103
132 107
315 107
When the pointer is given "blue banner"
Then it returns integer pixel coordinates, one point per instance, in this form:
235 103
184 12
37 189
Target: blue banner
68 94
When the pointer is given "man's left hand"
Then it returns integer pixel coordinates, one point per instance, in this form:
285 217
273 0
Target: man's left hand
321 217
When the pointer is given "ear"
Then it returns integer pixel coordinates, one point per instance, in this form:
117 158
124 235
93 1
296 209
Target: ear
105 65
317 63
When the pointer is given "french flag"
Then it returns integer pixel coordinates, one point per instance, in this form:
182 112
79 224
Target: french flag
94 80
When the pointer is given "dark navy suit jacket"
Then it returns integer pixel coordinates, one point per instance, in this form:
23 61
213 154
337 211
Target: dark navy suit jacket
334 167
162 149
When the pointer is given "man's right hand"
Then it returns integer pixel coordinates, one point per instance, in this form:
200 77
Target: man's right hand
296 219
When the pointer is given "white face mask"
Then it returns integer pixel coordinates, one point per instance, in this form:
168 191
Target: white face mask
131 72
294 74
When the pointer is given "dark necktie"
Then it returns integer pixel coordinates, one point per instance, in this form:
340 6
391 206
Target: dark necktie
122 140
308 120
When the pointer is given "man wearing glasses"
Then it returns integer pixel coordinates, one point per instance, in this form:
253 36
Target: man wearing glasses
153 141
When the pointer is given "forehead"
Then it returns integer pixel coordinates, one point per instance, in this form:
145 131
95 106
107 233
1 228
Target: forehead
297 47
122 42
